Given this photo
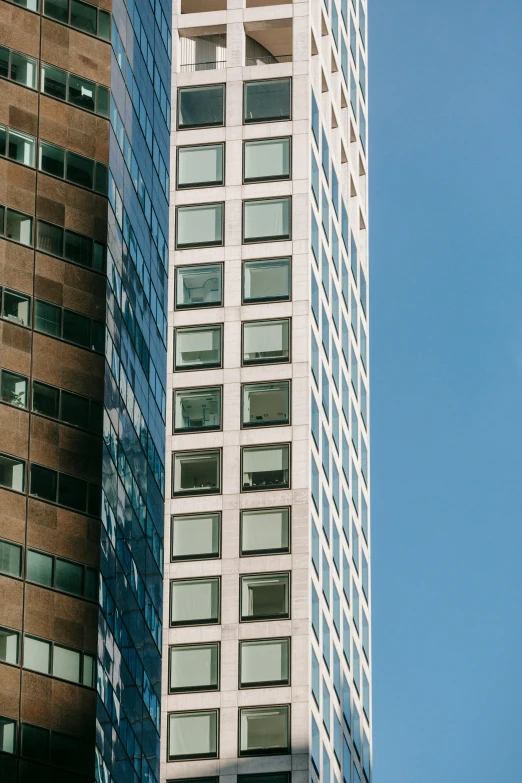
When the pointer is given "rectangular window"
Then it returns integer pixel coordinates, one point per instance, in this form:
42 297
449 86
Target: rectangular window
266 220
82 93
84 17
264 730
12 473
265 530
9 646
199 286
200 166
13 389
39 568
267 100
264 662
199 225
21 148
19 227
48 318
51 160
201 107
266 342
68 577
50 239
46 400
266 404
23 70
194 667
194 601
193 735
197 409
266 280
8 738
266 159
195 536
196 472
53 82
265 467
66 664
198 347
265 597
37 655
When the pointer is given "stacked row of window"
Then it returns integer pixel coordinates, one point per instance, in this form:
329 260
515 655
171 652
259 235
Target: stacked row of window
47 657
50 485
44 746
262 731
75 13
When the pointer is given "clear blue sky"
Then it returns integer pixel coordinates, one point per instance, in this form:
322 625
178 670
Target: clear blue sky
446 276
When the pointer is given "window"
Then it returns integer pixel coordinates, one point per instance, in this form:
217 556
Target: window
17 146
67 407
266 342
197 409
15 307
199 286
265 530
9 647
7 735
274 777
69 245
10 558
193 735
62 662
267 100
264 730
264 662
65 490
265 597
12 473
76 169
265 467
80 92
266 159
16 226
194 667
200 166
198 347
266 220
194 601
199 225
196 472
266 280
83 16
316 747
18 67
200 107
195 536
266 404
13 389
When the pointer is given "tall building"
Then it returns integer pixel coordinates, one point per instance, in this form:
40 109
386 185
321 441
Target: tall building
266 645
84 186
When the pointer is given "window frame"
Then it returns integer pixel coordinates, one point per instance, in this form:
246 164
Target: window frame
203 689
193 757
288 444
264 300
54 557
203 556
193 623
18 635
199 245
277 119
24 462
265 619
287 423
220 325
279 178
263 239
181 389
209 184
182 308
271 751
260 552
206 125
268 683
266 361
215 450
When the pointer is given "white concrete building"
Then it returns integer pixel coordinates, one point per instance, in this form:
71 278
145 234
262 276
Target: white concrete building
267 664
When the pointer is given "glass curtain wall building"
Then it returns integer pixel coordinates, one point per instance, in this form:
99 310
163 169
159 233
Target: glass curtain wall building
84 172
266 649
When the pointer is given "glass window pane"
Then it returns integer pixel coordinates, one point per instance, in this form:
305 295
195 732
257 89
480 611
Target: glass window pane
201 165
197 286
267 159
91 584
57 9
265 597
21 148
201 106
266 341
17 307
53 82
102 104
84 17
194 667
48 318
19 227
265 662
80 170
78 248
8 736
266 404
4 62
50 238
265 467
12 473
77 328
104 25
23 70
197 409
82 93
198 346
265 530
267 279
195 536
68 577
101 179
35 742
39 568
64 750
193 734
74 410
66 664
97 336
88 671
3 142
72 492
10 558
200 225
194 601
267 100
264 730
196 472
9 643
45 400
265 220
37 655
14 389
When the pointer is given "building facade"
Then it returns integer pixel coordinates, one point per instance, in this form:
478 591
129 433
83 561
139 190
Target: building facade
266 648
84 186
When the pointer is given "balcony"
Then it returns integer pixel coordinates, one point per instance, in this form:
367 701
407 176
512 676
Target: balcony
268 42
206 51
